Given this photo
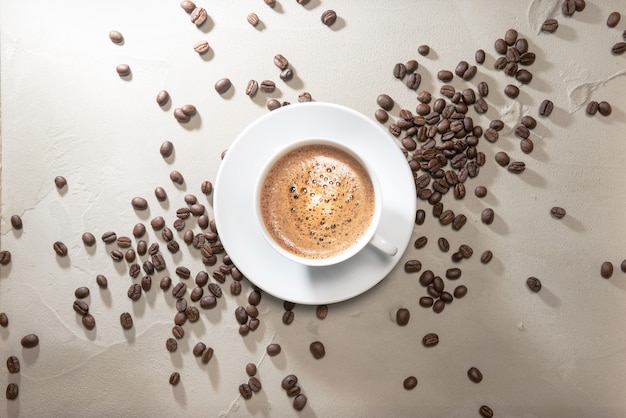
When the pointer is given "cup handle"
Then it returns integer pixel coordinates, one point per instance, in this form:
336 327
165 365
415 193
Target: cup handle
383 245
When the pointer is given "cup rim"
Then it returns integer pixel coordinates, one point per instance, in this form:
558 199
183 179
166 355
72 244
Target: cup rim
348 252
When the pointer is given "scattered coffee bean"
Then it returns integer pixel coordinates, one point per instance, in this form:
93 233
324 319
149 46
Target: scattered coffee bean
453 273
474 375
421 242
251 369
485 411
198 16
60 248
439 306
604 108
299 402
613 19
460 291
317 349
534 284
479 56
126 320
329 17
487 216
171 345
423 50
123 70
606 270
511 91
116 37
134 291
430 339
5 257
4 320
557 212
402 316
443 244
253 19
166 149
546 107
16 222
420 217
592 108
60 182
486 257
30 341
109 237
550 25
516 167
89 322
139 203
13 364
273 349
102 281
222 85
619 48
409 383
321 311
174 378
526 145
412 266
12 391
255 384
88 239
273 104
162 98
81 292
288 317
385 102
622 267
176 177
502 158
426 302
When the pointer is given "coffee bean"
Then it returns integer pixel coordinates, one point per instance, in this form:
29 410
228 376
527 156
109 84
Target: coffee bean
613 19
317 349
486 257
273 349
116 37
198 349
482 89
527 58
109 237
466 251
241 315
117 255
222 85
459 221
178 332
550 25
534 284
385 102
619 48
146 283
443 244
487 216
479 56
381 115
5 257
102 281
430 339
592 108
255 384
604 108
162 98
60 248
568 7
439 306
426 301
208 302
254 298
12 391
421 242
198 16
557 212
267 86
453 273
89 322
606 270
171 345
134 291
423 50
546 107
16 222
412 266
402 316
516 167
81 292
245 391
253 19
460 291
481 106
139 203
4 320
174 378
474 375
13 364
273 104
88 239
511 91
409 383
329 17
181 116
485 411
30 341
480 191
215 289
500 46
445 75
126 320
176 177
165 283
523 76
502 158
299 402
288 317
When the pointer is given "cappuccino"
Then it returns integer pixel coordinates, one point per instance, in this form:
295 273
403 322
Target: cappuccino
316 201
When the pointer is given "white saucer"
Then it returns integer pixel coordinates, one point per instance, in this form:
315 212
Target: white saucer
241 235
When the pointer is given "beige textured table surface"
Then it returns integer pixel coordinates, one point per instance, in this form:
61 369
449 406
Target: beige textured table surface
65 111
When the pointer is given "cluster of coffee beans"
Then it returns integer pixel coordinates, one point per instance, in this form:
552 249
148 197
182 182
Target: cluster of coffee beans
291 387
514 53
13 362
253 385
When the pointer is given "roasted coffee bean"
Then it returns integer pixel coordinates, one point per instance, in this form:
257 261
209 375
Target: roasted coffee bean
4 320
166 149
5 257
252 88
146 283
446 297
421 242
299 402
171 345
280 61
606 270
174 378
126 320
198 16
317 349
60 182
510 37
420 217
459 221
402 316
486 257
523 76
474 375
123 70
533 284
469 73
177 177
252 311
480 191
329 17
439 306
445 75
423 50
622 267
139 203
456 257
550 25
270 3
619 48
13 364
288 317
178 332
60 248
399 71
412 266
255 384
183 272
511 91
267 86
116 37
613 19
222 85
251 369
481 106
208 302
479 56
502 158
289 381
245 391
460 291
134 270
165 283
487 216
321 311
88 239
181 304
453 273
241 315
207 355
426 278
134 291
516 167
485 411
30 341
411 66
443 244
148 267
273 104
385 102
592 108
461 67
381 115
16 222
304 97
568 7
162 98
117 255
546 107
253 19
604 108
198 349
12 391
215 289
188 5
180 318
430 339
557 212
409 383
102 281
273 349
89 322
254 298
438 284
81 292
446 217
426 301
500 46
202 278
179 290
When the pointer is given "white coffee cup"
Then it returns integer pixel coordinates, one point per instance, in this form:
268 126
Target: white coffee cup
368 237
